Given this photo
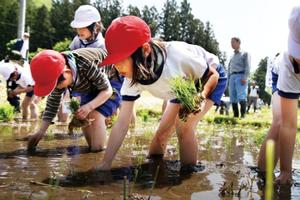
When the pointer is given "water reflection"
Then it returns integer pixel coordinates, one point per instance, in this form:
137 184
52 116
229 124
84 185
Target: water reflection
226 154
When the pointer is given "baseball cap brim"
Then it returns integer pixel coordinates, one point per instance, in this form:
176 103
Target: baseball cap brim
75 24
114 58
293 47
44 90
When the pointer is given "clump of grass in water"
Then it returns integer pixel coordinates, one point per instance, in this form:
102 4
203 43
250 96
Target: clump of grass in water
75 122
6 112
186 92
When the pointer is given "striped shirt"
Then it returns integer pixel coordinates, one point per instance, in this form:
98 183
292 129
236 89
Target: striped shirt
89 77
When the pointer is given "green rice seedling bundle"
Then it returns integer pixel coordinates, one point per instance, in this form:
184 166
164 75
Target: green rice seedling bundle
75 122
186 92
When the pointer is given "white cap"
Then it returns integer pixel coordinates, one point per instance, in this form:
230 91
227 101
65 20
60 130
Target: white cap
85 15
26 34
294 35
6 69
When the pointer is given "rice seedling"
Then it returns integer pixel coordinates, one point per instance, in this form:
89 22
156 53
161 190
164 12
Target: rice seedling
75 122
188 95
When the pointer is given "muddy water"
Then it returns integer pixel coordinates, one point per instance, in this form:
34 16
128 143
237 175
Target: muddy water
62 167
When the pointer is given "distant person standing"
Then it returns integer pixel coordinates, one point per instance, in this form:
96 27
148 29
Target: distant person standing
253 96
25 47
238 69
20 47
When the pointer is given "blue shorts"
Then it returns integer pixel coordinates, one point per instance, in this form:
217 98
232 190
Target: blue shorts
281 93
218 92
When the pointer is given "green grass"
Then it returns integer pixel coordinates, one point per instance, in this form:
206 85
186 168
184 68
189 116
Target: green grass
6 112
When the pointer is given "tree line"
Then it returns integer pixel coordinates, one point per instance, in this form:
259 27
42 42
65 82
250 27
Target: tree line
49 25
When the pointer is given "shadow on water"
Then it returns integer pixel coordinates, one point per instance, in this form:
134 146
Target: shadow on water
55 136
158 172
54 152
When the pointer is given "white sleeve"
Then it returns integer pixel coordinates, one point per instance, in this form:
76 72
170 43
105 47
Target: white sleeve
72 46
21 82
209 57
129 92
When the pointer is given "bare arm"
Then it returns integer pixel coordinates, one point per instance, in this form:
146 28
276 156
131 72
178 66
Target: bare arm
34 139
165 129
211 82
19 90
118 133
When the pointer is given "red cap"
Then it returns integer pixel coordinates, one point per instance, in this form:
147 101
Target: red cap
123 37
45 68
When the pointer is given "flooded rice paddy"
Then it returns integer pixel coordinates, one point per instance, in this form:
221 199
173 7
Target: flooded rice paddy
63 168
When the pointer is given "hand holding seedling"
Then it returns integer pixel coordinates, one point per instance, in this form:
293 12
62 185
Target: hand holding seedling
83 111
186 92
79 115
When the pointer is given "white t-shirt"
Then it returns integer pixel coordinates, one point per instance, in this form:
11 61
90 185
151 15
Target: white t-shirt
99 42
24 49
253 91
25 78
184 60
288 80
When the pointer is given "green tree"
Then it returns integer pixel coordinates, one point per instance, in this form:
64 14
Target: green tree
198 37
62 13
210 43
260 77
8 23
151 17
62 45
170 23
109 10
42 30
187 25
133 10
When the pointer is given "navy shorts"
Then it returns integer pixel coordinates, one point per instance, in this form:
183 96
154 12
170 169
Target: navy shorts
218 92
108 108
281 93
29 94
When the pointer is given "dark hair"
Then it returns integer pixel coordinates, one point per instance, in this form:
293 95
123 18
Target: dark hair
143 68
60 79
95 28
236 39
